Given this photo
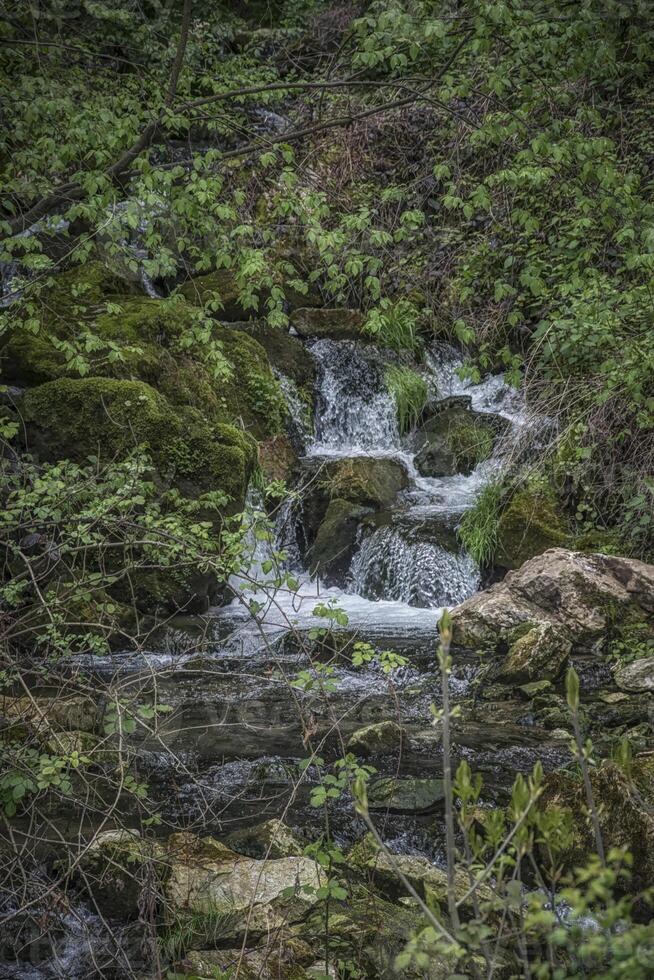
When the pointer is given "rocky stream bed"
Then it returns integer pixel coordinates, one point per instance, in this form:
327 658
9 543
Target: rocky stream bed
370 537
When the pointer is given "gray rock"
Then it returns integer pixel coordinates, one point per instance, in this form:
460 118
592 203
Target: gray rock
636 676
576 592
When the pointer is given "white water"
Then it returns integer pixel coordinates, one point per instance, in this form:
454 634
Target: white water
402 574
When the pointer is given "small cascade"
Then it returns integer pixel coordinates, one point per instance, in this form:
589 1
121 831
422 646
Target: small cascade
491 394
355 414
393 565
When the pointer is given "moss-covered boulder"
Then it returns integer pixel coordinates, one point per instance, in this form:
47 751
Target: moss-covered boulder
372 482
271 839
75 418
626 815
381 738
108 419
455 440
231 300
539 654
162 343
220 289
361 481
336 324
286 353
530 523
335 542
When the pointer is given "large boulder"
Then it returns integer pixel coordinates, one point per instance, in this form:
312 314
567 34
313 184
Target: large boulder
253 896
103 417
337 324
583 595
455 440
636 676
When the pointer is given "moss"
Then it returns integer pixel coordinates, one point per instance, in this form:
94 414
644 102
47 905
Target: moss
286 353
75 418
471 443
221 285
252 393
529 524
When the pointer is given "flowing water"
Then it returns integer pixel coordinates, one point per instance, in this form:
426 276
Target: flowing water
230 751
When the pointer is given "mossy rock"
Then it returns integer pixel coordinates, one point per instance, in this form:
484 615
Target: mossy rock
336 324
75 418
406 795
626 819
75 299
286 353
366 480
271 839
107 418
381 738
530 523
332 550
540 654
151 336
456 440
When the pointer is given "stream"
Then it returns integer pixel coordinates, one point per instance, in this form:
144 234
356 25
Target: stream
230 752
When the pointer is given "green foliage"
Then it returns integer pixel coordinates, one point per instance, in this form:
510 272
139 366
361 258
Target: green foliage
393 324
478 530
409 391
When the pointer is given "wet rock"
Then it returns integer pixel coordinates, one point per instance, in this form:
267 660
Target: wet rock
430 882
119 868
337 324
335 543
580 594
636 676
253 896
405 795
626 814
379 739
272 839
282 958
277 458
529 524
455 440
539 655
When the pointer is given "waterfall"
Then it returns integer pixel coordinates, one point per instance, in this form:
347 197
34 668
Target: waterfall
355 413
392 565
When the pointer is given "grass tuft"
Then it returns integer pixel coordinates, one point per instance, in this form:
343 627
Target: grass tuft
478 530
409 391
